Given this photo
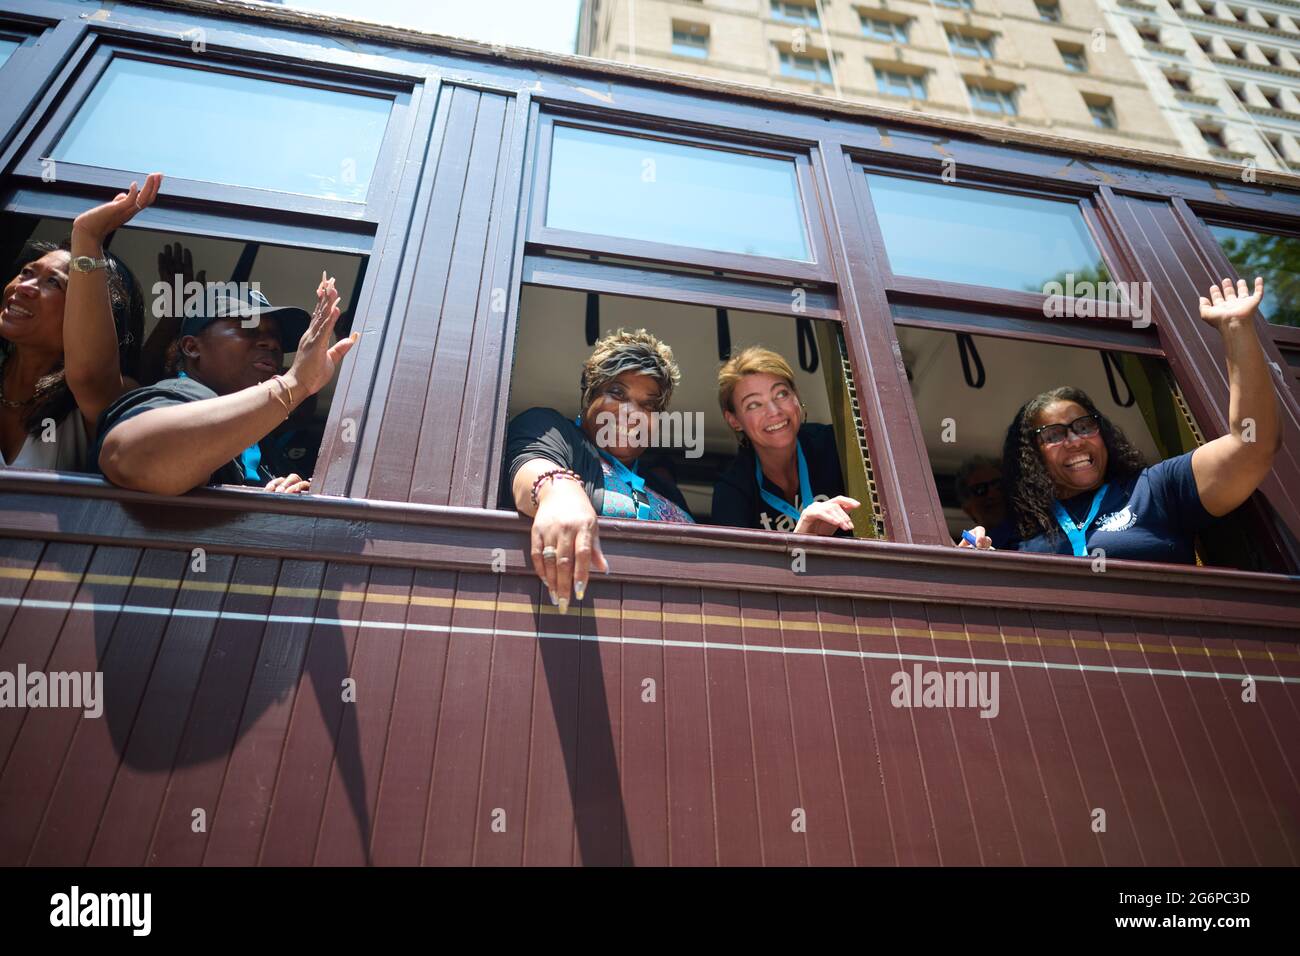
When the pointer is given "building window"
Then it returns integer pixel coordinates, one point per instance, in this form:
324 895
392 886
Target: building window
899 83
1149 34
1206 44
1049 12
955 4
610 184
1236 13
970 44
1180 84
1271 55
805 66
988 238
1102 112
277 144
1073 57
1272 97
989 99
1270 20
788 11
1238 50
1271 256
1213 138
691 39
891 31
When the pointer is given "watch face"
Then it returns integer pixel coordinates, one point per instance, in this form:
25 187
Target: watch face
84 263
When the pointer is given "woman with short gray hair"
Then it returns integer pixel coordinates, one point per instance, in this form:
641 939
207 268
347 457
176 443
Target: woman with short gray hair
565 472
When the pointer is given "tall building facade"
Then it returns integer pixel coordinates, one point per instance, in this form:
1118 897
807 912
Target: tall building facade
1226 75
1055 66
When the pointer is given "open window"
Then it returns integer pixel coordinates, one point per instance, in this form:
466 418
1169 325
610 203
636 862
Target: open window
967 389
557 328
286 275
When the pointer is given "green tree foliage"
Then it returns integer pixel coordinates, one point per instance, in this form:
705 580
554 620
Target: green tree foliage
1277 259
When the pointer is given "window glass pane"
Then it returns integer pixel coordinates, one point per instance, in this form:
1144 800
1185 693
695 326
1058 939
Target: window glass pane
237 130
614 185
980 237
7 48
1277 259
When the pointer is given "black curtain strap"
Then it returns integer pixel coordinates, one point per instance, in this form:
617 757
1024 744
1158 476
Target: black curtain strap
724 336
1111 365
593 318
808 358
969 353
244 267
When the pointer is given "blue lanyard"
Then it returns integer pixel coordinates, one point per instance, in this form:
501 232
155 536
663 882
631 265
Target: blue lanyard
805 487
1077 532
249 459
635 481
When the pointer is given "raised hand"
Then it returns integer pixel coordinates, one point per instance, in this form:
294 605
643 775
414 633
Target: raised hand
1229 305
316 360
97 223
176 260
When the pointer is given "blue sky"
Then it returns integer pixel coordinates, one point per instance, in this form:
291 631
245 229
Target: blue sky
539 24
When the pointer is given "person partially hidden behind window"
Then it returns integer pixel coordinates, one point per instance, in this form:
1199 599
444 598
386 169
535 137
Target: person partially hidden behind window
69 325
565 471
978 484
1078 485
787 475
203 426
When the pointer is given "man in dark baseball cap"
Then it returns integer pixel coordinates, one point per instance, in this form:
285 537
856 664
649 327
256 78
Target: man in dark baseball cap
240 300
230 391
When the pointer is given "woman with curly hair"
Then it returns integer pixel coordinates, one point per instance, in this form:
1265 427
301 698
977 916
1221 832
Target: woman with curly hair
1076 483
563 471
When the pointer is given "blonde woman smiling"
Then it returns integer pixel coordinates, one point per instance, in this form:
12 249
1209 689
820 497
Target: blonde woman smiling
787 475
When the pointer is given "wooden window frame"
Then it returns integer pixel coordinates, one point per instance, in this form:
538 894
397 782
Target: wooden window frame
96 53
815 270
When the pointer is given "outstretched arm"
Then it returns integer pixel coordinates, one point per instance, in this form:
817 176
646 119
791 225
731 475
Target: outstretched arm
169 451
1229 469
90 349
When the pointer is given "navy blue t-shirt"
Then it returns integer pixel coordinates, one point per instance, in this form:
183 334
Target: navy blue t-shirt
736 499
1153 516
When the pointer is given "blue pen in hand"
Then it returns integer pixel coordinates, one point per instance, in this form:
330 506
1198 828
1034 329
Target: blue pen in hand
967 536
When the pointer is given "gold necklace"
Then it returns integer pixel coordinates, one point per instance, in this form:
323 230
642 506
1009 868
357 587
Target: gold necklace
10 403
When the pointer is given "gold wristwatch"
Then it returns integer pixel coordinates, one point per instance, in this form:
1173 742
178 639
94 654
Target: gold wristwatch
87 264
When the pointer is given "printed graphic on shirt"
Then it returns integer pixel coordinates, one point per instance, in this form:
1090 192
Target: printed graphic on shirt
1120 520
782 522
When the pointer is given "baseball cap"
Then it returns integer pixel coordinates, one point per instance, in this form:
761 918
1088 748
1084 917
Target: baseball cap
243 302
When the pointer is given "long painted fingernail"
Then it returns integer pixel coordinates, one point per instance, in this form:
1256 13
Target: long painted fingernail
564 605
554 599
580 588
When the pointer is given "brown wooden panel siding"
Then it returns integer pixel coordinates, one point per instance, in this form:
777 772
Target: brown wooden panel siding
126 645
238 820
512 711
211 729
127 827
408 760
310 744
346 822
52 639
422 398
692 825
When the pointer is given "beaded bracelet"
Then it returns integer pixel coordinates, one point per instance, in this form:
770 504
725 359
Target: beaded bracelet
554 473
